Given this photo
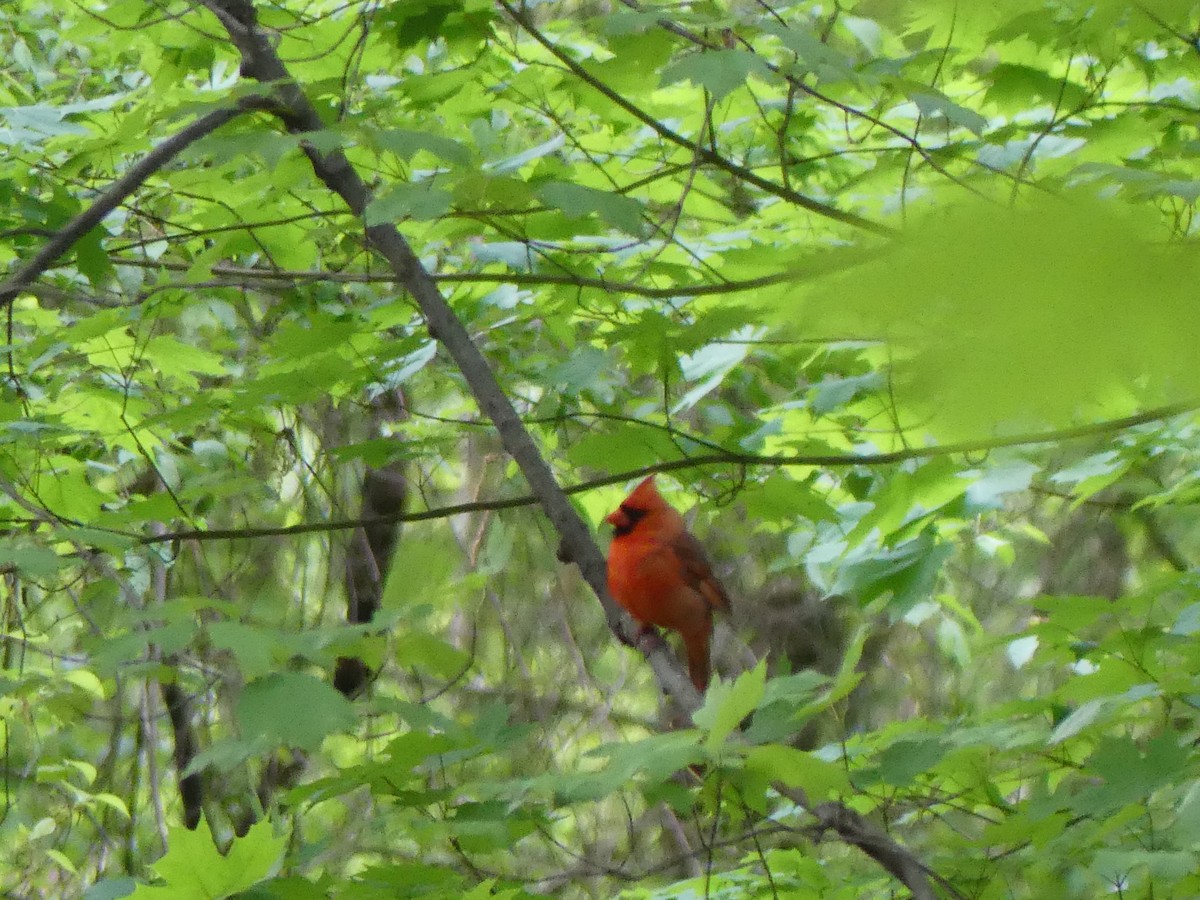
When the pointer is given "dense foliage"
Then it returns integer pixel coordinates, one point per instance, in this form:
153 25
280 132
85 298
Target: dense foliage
897 297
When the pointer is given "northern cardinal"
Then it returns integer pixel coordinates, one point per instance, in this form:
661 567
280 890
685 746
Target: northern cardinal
658 572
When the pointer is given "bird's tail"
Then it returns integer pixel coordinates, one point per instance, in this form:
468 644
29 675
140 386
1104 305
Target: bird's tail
696 645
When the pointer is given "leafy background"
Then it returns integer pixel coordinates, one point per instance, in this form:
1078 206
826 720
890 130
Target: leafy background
898 297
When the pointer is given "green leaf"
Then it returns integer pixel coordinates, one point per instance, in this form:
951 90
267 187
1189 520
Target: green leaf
1129 774
577 201
119 649
1079 719
1188 621
293 887
932 103
69 494
1093 473
502 192
656 758
1015 85
901 762
406 144
518 160
110 889
833 392
1117 866
226 755
62 860
292 709
86 681
781 498
640 49
1141 183
847 679
867 32
819 779
1115 296
430 654
422 202
193 867
721 72
33 561
92 258
586 368
299 340
413 21
726 704
907 575
989 486
431 564
252 647
1075 614
175 359
709 364
624 448
813 54
408 751
411 879
113 802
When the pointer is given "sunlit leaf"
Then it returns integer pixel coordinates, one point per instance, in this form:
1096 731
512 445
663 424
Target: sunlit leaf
1070 310
193 867
727 703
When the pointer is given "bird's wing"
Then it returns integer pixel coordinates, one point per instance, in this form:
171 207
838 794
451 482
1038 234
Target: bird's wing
698 573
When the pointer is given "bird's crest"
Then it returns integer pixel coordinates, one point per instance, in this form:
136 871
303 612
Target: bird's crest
644 496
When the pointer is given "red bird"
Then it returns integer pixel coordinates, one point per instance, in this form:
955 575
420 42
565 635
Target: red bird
658 572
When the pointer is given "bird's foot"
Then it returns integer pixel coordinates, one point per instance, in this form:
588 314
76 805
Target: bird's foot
643 638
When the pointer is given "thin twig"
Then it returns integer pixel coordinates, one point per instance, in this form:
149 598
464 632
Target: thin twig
704 153
834 262
828 461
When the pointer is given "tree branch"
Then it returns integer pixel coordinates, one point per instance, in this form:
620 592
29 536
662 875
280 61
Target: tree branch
65 238
827 461
838 262
299 116
856 831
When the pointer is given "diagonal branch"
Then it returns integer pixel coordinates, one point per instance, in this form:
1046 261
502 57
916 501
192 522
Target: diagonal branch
872 840
293 108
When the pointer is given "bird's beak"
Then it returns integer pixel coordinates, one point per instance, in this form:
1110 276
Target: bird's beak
617 519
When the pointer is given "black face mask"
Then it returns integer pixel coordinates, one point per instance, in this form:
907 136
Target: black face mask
633 516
